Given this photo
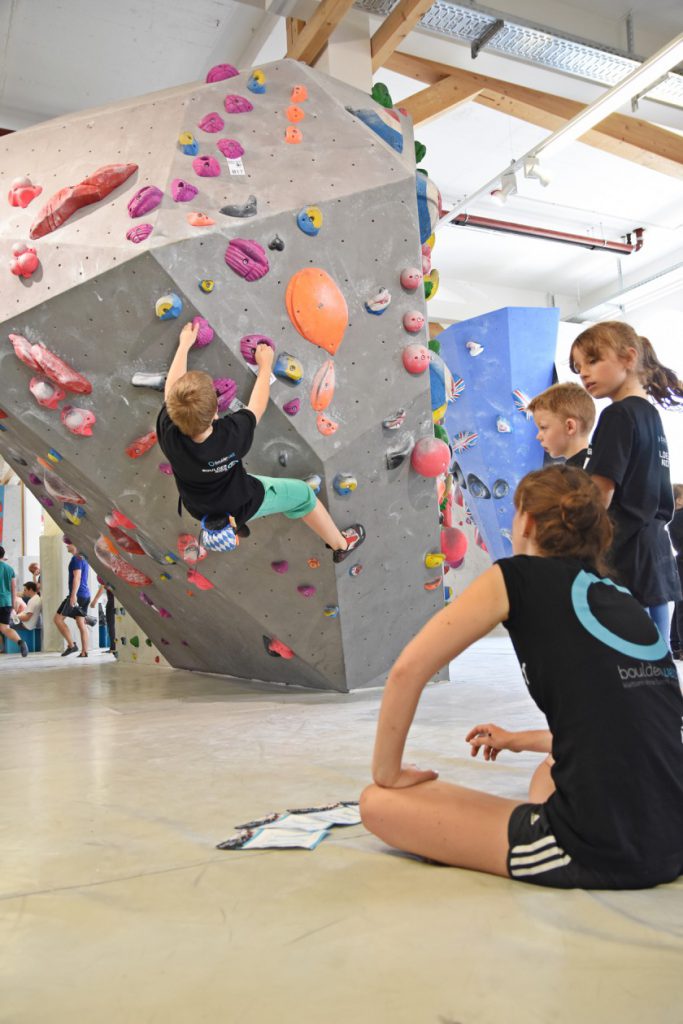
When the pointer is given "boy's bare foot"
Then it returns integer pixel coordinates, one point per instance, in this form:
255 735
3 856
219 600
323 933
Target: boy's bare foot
354 536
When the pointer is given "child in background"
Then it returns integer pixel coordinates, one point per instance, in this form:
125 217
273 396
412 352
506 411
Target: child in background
206 453
8 597
676 534
110 612
75 604
608 813
629 459
564 415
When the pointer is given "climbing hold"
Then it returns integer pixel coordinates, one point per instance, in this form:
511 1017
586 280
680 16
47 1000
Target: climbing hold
183 191
200 220
317 308
395 421
306 590
464 440
434 559
78 421
249 343
288 368
477 487
189 548
92 189
23 350
106 552
448 594
429 206
313 563
356 569
61 491
474 348
129 545
314 482
276 244
453 544
247 259
199 581
155 381
165 576
433 584
205 332
188 143
431 284
230 148
411 278
395 457
292 407
47 502
276 648
283 458
521 400
322 389
206 285
73 514
280 567
503 425
294 114
325 426
54 455
500 489
46 393
219 72
310 220
40 358
331 611
24 260
293 136
248 209
257 82
35 480
141 445
441 433
168 307
212 123
382 124
430 457
237 104
226 390
206 166
415 358
22 192
145 200
135 641
426 258
413 321
139 232
166 468
345 483
299 94
116 518
381 95
378 302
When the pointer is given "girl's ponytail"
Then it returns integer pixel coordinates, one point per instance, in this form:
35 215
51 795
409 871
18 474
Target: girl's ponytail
659 381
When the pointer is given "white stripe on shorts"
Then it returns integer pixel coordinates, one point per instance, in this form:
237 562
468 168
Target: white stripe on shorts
529 847
548 866
536 858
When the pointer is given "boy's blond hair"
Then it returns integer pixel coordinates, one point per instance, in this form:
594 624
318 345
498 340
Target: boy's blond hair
566 400
192 403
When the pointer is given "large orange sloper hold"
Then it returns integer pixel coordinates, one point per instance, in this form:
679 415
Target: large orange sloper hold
317 308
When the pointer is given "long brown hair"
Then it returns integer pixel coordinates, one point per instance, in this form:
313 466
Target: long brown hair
659 381
567 508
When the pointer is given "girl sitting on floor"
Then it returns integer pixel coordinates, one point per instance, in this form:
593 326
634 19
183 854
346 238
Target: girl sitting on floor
608 810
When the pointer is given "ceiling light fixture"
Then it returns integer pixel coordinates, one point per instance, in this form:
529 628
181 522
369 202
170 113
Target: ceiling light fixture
533 169
508 187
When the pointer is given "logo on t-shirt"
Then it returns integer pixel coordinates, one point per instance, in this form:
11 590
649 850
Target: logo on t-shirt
579 596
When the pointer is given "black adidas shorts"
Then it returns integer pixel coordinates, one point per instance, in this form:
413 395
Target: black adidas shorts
79 610
535 856
5 614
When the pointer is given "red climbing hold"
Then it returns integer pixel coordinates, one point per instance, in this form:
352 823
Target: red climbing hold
116 518
24 260
430 457
141 445
23 350
199 581
106 552
453 544
78 421
59 371
189 549
63 204
22 192
129 545
322 389
46 393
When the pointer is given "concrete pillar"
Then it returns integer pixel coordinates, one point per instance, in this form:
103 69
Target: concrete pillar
347 55
54 581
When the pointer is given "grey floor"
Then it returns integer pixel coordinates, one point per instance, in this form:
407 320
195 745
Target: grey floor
117 781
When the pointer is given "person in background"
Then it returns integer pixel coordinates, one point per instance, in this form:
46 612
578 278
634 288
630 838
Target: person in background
676 534
34 569
110 613
75 604
8 596
30 616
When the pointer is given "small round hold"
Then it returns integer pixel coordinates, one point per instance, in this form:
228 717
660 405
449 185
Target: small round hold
257 82
416 358
413 321
306 590
206 285
139 232
237 104
196 219
212 123
378 302
165 468
276 244
503 425
280 567
230 148
411 279
500 489
283 458
205 332
294 114
430 457
356 569
344 483
249 344
299 94
168 307
288 368
331 611
54 456
477 487
206 166
293 135
310 220
314 482
292 407
434 559
220 72
313 563
474 348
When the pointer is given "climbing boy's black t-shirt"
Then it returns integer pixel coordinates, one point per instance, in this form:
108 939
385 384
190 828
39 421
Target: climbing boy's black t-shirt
629 447
210 476
597 667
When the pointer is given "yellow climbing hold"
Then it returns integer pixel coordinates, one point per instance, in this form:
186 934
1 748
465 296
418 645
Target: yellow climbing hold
434 559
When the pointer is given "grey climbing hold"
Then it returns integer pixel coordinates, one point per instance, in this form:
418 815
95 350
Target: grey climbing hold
397 456
283 458
477 487
155 381
395 421
500 489
276 244
248 209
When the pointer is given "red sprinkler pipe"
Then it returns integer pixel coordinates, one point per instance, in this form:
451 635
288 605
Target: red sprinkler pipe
467 220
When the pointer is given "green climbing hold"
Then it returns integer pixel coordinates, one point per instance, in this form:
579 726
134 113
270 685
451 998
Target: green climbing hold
441 433
435 345
420 152
148 642
380 94
135 641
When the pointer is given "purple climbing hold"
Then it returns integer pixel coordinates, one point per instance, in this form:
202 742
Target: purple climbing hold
144 200
166 468
248 346
306 590
247 258
292 407
206 166
35 480
280 567
47 502
139 232
212 123
226 390
183 191
237 104
219 72
205 332
230 148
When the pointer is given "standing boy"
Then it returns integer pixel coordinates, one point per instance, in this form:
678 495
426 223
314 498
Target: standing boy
75 604
564 415
8 596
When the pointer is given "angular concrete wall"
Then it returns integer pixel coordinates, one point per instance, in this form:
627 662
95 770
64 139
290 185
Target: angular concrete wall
92 302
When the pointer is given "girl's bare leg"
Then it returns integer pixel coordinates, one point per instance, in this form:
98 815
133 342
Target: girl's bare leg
450 824
321 522
542 786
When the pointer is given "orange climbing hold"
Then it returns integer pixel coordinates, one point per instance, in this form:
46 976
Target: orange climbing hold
299 94
294 114
317 308
322 390
325 425
200 220
293 136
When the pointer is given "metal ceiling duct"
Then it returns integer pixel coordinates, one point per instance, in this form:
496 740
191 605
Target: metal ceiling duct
536 44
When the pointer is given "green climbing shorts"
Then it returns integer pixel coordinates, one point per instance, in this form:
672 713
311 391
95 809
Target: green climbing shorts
293 498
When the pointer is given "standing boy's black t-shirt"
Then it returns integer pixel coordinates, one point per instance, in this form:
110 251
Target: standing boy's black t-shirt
210 477
578 460
629 447
596 666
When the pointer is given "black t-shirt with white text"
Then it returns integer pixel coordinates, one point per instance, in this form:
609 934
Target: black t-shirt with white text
597 667
578 460
210 477
629 447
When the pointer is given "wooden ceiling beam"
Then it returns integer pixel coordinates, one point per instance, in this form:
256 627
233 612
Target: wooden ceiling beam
309 43
395 27
446 94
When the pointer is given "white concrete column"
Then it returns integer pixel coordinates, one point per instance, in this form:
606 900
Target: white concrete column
54 581
347 56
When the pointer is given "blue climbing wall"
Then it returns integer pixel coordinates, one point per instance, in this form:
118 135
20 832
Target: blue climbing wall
503 359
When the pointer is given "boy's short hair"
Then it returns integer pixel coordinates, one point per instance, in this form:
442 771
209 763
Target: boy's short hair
30 585
566 400
2 551
192 403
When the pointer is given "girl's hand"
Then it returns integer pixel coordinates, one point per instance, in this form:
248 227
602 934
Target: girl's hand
410 775
264 355
188 335
491 738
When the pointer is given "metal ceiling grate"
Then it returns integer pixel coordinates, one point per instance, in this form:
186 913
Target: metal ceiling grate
534 44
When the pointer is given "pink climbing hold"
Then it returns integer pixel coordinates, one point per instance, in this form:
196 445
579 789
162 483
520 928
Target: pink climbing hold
129 545
166 468
22 192
24 260
78 421
23 350
230 148
237 104
139 232
226 390
430 457
206 166
205 332
46 393
453 545
411 278
279 649
59 490
306 590
280 567
199 581
212 123
183 191
292 407
249 343
413 321
116 518
219 73
247 259
106 552
145 200
416 358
